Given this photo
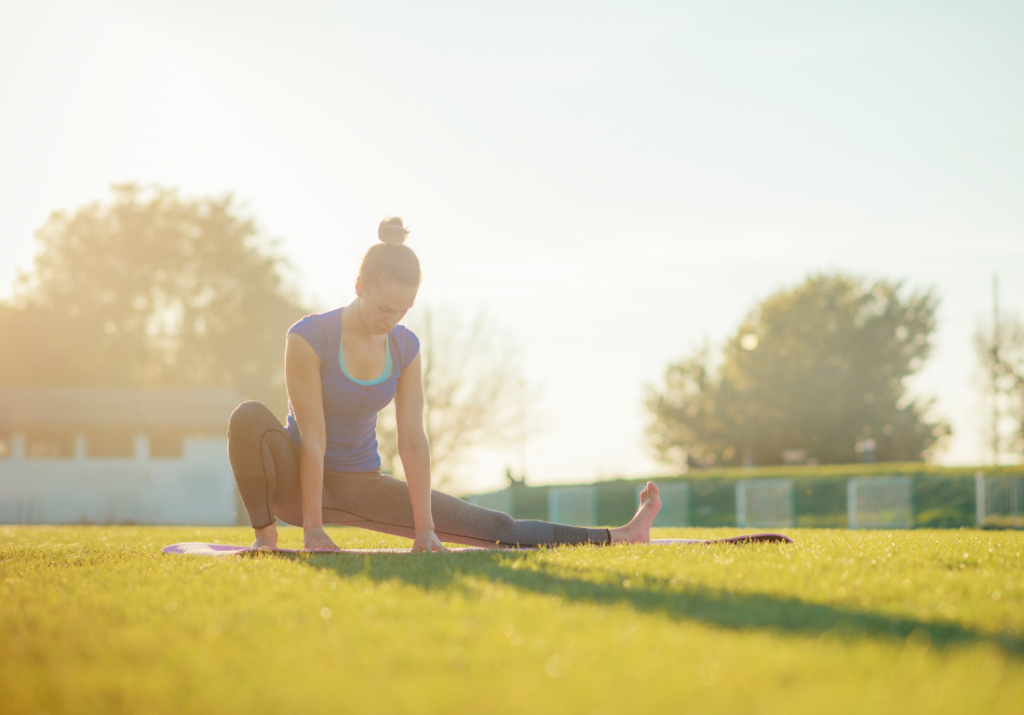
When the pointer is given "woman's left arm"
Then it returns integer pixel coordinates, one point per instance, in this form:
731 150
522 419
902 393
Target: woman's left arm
414 451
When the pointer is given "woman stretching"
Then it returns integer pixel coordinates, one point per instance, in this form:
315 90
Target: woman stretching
341 368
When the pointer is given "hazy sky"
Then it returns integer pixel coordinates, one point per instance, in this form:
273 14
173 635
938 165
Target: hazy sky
614 182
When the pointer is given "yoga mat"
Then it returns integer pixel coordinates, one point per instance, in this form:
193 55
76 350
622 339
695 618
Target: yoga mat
200 549
743 539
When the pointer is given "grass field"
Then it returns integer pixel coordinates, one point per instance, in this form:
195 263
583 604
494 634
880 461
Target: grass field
97 620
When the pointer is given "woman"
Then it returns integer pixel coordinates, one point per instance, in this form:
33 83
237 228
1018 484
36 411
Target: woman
341 368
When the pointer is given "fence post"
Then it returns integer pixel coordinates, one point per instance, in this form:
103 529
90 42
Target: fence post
1016 489
979 499
851 504
741 505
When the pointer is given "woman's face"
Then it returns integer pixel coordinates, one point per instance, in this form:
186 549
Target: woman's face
384 303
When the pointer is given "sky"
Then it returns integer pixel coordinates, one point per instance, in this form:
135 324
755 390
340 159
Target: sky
615 184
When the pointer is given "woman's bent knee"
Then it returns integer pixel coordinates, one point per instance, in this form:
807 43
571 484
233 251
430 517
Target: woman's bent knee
247 415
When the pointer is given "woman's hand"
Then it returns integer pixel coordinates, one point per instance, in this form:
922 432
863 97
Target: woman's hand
427 540
314 538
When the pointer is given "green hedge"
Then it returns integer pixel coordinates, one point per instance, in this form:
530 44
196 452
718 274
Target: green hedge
943 497
877 469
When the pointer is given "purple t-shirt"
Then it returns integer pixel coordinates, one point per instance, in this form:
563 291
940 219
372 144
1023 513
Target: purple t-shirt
350 409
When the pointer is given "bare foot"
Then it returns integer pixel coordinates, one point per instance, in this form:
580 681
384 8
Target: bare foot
266 538
638 530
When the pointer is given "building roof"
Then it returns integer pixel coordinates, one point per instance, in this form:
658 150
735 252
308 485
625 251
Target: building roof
194 410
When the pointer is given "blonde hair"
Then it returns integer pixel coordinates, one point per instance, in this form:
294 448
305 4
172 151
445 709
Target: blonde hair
391 259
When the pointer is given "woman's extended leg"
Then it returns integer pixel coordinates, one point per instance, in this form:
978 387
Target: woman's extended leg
265 460
375 501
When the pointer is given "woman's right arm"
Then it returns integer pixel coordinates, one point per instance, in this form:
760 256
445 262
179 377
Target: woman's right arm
302 379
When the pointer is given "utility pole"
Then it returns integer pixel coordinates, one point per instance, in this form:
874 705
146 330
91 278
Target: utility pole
523 429
995 369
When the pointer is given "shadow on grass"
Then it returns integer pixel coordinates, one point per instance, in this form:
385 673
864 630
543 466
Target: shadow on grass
725 609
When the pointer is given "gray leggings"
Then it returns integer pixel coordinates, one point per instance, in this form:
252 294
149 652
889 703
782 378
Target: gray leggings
265 460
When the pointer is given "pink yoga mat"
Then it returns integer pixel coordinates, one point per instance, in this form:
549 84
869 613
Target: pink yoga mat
200 549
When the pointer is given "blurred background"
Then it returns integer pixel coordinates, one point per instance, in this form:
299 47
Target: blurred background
656 237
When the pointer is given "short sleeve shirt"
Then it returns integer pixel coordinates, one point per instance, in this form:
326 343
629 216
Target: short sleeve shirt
350 409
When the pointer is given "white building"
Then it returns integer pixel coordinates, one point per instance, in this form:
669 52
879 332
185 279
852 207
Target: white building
82 455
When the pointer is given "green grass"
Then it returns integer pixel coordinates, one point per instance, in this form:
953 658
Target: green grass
96 620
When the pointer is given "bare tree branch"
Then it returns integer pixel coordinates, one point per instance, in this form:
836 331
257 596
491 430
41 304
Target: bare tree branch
1006 360
473 390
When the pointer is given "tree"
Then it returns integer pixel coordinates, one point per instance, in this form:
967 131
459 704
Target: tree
151 289
473 390
1001 355
820 368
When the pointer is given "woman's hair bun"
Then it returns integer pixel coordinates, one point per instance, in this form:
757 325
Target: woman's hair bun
382 263
392 231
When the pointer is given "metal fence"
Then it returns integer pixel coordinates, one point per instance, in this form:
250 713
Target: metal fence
879 503
765 503
575 506
999 501
856 502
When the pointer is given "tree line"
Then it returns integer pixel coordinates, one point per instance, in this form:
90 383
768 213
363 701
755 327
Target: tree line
153 289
